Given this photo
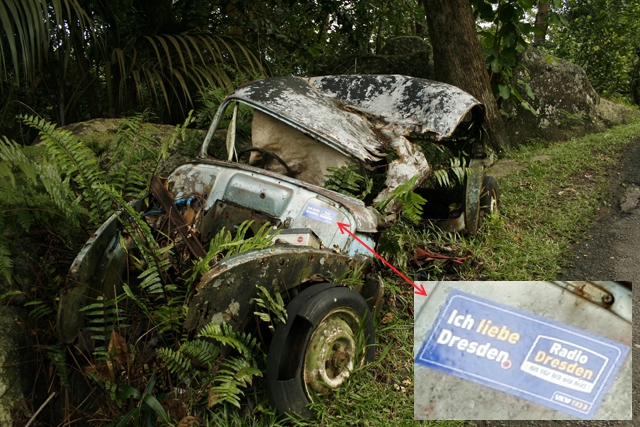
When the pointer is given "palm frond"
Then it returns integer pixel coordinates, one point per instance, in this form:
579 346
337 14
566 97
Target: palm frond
179 62
30 27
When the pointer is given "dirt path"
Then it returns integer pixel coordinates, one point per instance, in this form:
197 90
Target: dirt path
613 250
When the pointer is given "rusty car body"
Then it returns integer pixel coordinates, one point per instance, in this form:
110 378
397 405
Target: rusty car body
340 119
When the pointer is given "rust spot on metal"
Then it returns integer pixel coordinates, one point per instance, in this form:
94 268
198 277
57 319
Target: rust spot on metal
591 291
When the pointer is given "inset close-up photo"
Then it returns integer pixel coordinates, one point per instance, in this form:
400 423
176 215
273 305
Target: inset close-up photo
526 350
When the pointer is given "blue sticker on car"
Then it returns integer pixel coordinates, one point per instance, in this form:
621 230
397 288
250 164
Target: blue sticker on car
538 359
319 213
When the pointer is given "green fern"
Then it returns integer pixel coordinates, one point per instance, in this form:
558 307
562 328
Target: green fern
102 317
224 244
33 191
410 201
130 173
169 317
178 363
270 305
155 258
347 180
75 161
224 334
40 309
457 167
58 356
193 361
6 263
202 351
233 374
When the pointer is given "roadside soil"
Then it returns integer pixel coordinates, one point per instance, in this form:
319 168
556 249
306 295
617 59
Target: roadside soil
610 251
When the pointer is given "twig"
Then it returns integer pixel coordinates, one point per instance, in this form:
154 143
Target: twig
51 396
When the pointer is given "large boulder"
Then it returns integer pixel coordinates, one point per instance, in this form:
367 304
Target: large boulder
565 102
13 370
407 55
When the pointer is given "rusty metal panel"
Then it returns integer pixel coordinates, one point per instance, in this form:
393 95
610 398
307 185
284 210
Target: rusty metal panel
193 179
360 216
345 112
224 293
259 194
473 195
97 270
413 104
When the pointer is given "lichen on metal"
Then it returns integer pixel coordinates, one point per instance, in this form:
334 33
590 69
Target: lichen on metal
277 269
319 107
413 104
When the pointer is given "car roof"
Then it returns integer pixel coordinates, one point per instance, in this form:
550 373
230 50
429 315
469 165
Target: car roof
346 112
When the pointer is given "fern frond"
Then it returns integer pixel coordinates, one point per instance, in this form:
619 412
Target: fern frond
131 174
271 305
410 201
204 352
6 263
103 316
224 334
347 180
224 243
58 356
40 309
59 190
169 318
75 161
178 363
233 374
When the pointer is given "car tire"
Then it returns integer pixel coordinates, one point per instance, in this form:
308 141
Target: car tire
489 198
318 346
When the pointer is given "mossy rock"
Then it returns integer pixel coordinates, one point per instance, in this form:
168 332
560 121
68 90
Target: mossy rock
566 103
100 135
15 374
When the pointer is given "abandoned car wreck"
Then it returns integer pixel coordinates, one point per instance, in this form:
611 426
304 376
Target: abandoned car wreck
301 129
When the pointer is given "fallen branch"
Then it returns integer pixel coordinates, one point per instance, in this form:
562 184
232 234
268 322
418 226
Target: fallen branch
51 396
424 255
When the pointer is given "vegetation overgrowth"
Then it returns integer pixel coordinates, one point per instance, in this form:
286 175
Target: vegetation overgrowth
67 61
547 202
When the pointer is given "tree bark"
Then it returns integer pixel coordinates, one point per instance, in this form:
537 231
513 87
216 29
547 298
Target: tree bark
459 60
542 21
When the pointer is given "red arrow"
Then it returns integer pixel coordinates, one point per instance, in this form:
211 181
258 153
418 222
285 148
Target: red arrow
345 227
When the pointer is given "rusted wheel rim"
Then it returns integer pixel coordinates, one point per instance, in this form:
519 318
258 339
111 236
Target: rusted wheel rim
331 353
493 205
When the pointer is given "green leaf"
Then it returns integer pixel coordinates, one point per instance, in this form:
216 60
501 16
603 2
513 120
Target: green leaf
125 420
485 11
504 91
127 392
496 65
529 91
516 93
507 13
156 406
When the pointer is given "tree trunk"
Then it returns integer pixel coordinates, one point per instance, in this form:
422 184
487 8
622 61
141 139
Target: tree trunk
459 59
421 27
542 21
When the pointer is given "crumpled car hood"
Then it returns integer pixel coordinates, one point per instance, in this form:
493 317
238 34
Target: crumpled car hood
414 104
346 112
